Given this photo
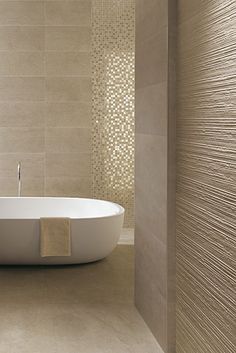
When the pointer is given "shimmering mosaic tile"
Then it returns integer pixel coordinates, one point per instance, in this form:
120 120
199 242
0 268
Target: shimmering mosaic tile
113 74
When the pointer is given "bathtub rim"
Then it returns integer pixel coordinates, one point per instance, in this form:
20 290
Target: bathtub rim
119 207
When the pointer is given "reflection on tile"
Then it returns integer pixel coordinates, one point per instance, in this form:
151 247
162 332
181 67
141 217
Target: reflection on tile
87 308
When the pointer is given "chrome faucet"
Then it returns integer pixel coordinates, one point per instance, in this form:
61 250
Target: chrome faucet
19 178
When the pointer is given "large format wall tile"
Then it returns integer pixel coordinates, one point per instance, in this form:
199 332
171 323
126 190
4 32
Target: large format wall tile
69 89
30 186
68 114
151 200
152 67
68 165
45 96
32 164
150 101
68 13
21 13
70 38
21 63
69 140
67 64
149 25
27 140
20 38
22 114
22 89
68 186
155 169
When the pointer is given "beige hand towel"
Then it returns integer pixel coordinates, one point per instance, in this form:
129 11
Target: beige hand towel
55 238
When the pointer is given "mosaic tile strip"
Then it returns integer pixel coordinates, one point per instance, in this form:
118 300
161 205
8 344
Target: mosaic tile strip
113 36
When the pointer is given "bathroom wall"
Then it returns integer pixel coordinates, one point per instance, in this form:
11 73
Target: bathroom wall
45 97
206 188
113 40
155 168
67 99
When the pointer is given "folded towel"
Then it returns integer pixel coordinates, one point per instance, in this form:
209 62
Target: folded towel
55 238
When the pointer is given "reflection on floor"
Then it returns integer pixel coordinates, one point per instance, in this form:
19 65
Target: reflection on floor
73 309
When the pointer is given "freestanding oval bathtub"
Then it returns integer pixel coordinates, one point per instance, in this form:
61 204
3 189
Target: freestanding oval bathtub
95 228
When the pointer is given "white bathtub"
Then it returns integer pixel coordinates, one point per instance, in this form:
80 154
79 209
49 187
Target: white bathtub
95 228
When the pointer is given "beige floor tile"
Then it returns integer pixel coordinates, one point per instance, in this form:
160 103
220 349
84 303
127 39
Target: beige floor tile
73 309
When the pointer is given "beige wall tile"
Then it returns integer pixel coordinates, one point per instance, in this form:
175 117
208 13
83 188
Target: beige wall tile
68 89
74 187
32 164
22 114
150 286
67 64
8 186
68 140
149 261
21 13
21 38
68 164
151 201
28 140
148 23
64 38
32 187
21 89
155 168
151 105
68 114
152 68
21 63
30 100
68 13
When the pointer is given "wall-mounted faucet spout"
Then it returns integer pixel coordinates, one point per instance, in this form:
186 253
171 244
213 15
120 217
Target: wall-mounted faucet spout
19 178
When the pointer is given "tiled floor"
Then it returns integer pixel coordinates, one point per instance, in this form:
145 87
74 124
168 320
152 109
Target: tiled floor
73 309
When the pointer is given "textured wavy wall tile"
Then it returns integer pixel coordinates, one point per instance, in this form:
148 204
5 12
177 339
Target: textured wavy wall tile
206 186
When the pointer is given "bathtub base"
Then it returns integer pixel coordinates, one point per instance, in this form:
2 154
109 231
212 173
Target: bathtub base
92 239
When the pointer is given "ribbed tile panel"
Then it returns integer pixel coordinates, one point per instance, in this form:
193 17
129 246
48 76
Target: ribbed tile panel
206 185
